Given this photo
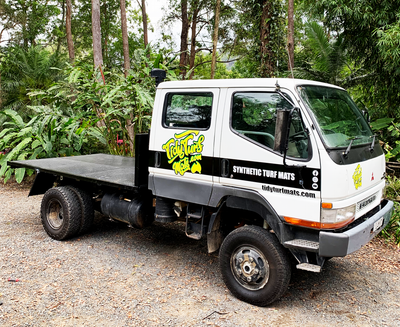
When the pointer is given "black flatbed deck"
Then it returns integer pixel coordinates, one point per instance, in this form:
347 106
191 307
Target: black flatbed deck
102 169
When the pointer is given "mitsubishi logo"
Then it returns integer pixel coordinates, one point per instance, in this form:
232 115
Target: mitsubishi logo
372 178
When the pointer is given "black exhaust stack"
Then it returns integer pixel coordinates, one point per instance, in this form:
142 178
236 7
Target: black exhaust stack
159 75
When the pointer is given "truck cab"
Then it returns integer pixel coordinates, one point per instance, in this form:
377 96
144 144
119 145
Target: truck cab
221 153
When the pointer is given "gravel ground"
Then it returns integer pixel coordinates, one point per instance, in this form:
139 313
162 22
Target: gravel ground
117 276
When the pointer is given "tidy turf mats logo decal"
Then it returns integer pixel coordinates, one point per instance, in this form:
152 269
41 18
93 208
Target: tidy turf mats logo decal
184 152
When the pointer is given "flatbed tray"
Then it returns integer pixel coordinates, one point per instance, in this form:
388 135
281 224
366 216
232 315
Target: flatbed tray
103 169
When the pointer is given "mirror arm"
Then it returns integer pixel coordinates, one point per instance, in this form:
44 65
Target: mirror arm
286 147
278 90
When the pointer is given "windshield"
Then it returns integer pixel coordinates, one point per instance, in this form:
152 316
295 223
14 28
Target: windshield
339 119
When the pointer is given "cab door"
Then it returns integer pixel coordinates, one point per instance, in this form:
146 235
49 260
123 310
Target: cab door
248 159
182 144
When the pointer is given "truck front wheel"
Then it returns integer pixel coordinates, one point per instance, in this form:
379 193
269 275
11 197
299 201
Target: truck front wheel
254 266
60 213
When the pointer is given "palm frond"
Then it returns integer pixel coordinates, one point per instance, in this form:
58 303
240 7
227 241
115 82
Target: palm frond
320 43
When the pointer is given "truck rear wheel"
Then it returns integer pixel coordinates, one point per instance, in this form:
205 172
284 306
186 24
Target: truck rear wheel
60 213
254 266
87 211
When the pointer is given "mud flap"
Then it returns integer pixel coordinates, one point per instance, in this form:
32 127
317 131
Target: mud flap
214 235
43 182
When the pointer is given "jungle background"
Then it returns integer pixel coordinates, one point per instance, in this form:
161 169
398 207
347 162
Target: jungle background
75 74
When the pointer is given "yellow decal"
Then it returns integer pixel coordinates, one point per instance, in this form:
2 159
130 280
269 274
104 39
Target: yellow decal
196 168
357 177
184 152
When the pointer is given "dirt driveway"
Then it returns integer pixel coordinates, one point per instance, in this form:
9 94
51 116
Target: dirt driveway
118 276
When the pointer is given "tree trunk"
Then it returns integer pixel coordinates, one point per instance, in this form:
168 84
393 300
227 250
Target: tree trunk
144 17
290 44
124 28
70 42
127 65
60 37
184 38
97 54
96 34
193 41
105 32
32 35
1 94
24 29
215 39
267 60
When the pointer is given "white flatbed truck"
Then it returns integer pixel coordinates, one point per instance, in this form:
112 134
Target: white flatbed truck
266 169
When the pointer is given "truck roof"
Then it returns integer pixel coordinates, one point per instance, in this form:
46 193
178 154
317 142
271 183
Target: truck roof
289 83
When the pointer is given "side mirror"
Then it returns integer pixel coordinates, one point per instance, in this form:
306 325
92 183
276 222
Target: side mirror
282 125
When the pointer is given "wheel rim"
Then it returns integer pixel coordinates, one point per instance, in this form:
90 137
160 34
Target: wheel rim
55 214
250 267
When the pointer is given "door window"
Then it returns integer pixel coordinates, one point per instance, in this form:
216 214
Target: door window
254 117
188 110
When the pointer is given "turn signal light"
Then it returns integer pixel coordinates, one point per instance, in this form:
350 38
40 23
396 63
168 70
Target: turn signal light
304 223
326 205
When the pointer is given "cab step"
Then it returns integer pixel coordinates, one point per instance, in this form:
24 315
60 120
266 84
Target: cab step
302 244
195 227
309 267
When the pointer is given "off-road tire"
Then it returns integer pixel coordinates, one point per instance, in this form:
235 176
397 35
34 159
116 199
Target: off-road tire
87 211
60 213
257 245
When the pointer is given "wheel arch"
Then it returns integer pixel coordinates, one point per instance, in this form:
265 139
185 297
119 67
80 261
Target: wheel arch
247 200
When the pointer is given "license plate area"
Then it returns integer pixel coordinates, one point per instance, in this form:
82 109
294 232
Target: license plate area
378 224
366 202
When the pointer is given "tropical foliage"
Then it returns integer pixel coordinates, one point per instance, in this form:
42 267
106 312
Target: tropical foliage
113 103
80 114
25 70
322 59
48 134
392 230
369 31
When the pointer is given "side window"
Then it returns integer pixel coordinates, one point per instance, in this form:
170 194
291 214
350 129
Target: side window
188 110
254 116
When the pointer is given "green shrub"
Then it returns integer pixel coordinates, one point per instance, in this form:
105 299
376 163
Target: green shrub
119 107
392 230
389 132
46 135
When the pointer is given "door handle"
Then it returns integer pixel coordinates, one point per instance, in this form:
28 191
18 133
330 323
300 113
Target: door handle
224 168
157 159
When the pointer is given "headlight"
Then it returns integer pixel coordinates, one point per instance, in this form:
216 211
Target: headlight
337 218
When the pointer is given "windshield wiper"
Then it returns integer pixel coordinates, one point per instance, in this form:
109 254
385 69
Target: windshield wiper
371 148
345 153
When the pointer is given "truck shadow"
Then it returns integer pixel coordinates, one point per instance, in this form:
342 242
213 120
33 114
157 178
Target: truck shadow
341 281
167 234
